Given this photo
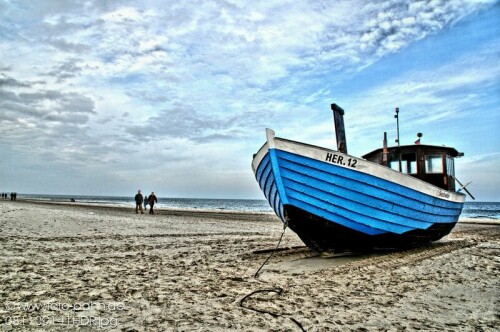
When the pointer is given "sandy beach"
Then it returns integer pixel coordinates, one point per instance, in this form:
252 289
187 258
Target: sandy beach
74 267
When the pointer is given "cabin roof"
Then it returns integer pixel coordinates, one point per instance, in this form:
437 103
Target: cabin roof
418 147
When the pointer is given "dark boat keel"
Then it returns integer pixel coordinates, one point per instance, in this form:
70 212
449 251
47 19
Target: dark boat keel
321 235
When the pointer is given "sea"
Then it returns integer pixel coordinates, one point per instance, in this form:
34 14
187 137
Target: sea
205 204
471 210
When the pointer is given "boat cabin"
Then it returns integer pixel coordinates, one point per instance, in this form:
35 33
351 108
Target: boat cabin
432 164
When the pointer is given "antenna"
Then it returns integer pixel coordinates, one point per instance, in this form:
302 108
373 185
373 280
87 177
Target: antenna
397 139
397 124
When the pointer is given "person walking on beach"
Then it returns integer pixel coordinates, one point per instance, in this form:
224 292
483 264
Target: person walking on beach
146 202
138 202
152 200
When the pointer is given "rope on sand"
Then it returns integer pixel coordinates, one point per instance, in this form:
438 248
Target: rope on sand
256 275
277 290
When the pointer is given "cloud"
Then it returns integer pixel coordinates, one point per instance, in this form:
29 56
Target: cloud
100 81
446 89
11 82
191 122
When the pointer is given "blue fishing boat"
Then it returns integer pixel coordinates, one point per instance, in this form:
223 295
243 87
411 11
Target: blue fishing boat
393 197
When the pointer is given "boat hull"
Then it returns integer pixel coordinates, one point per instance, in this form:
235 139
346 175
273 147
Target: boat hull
335 201
321 234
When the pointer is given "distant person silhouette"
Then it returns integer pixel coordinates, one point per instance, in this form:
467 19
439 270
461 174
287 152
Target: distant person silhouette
145 202
138 202
152 200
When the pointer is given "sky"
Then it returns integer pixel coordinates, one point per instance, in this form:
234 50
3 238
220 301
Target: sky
107 97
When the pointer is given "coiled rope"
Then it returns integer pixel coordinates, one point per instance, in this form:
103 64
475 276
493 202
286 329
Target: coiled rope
277 290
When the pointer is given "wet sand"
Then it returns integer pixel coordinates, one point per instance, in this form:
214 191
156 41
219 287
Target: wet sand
72 267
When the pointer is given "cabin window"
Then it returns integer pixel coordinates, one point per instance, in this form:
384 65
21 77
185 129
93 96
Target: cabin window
450 166
434 164
408 163
394 164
